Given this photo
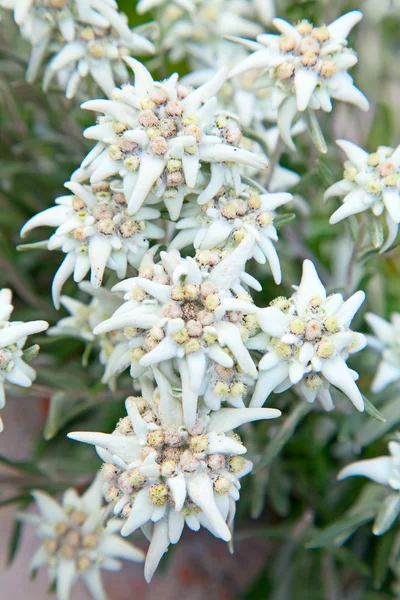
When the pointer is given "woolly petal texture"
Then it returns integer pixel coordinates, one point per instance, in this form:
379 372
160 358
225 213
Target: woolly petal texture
371 182
309 343
306 67
84 37
158 475
76 543
13 335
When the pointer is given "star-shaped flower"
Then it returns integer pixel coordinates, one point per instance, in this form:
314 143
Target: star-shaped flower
160 475
159 136
76 542
309 342
95 231
370 182
387 343
13 335
307 67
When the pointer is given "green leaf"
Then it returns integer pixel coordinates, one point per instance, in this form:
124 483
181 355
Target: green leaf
376 232
381 563
370 431
283 436
284 219
14 541
387 514
349 559
329 535
21 465
31 353
372 411
62 411
33 246
315 132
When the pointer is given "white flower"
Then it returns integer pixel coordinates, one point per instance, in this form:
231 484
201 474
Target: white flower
371 182
94 34
309 343
384 469
13 336
83 319
230 217
95 52
160 475
178 311
190 29
307 67
387 343
159 136
76 543
95 231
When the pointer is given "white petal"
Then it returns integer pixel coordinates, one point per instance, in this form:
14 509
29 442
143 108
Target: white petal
66 575
305 82
227 419
48 508
386 374
273 321
357 155
10 335
92 579
391 199
337 373
310 286
158 546
378 469
116 547
267 382
341 27
201 492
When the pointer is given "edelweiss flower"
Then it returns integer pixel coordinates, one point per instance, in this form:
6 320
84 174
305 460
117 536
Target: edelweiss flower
371 181
309 343
189 29
13 336
96 52
230 217
83 319
384 469
159 136
176 311
387 343
94 35
76 543
95 231
160 475
307 67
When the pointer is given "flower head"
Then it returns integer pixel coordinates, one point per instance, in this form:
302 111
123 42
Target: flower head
85 37
13 335
230 217
309 342
95 231
159 136
387 343
81 322
182 310
76 542
370 182
307 67
157 470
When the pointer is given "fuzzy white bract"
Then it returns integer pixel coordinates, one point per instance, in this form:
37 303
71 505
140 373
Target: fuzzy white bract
182 310
95 231
371 182
228 218
81 322
160 136
307 67
13 335
308 342
384 469
387 342
76 543
160 475
84 37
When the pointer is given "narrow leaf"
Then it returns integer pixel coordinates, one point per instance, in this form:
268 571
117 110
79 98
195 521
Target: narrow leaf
387 514
372 411
315 132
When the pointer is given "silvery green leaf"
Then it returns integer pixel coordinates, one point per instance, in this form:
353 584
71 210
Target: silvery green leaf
284 219
372 411
387 514
31 352
376 232
33 246
315 132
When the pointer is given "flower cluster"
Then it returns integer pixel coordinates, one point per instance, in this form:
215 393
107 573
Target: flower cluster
180 310
87 37
95 231
84 318
13 336
386 341
370 182
307 67
76 542
309 340
229 218
160 475
159 136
